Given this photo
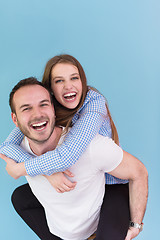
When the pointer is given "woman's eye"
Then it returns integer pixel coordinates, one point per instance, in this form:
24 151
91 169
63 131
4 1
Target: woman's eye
44 105
58 81
75 78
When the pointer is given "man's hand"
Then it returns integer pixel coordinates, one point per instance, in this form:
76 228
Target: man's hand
60 182
132 233
14 169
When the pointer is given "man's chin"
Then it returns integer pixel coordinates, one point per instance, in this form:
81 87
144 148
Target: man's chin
39 137
38 140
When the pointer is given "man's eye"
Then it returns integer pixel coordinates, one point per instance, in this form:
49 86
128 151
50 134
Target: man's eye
26 109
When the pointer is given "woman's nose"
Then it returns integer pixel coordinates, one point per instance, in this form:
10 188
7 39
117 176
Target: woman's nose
68 85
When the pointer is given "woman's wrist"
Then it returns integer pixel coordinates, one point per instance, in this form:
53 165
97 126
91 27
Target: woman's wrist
21 171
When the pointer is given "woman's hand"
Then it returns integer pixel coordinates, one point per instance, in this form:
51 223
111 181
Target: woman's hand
60 182
14 169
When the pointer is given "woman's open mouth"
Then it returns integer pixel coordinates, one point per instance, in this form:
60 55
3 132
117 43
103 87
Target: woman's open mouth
70 96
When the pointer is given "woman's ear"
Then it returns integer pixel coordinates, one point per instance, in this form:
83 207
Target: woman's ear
14 119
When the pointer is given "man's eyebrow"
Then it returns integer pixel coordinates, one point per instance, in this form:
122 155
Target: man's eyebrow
45 100
24 105
27 105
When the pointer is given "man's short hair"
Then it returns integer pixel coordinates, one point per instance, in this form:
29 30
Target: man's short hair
25 82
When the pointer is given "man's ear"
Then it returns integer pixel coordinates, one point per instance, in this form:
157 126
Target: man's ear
14 119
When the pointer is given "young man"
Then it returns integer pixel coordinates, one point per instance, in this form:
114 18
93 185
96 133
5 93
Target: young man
73 215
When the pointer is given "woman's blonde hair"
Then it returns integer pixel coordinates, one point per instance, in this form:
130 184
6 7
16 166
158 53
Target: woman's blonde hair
64 115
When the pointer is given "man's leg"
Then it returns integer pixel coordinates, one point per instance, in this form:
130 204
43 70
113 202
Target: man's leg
31 211
115 214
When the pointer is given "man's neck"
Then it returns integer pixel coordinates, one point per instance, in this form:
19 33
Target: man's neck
49 145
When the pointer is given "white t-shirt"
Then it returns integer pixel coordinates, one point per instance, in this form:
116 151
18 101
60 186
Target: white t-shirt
74 215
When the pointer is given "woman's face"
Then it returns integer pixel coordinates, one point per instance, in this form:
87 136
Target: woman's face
66 84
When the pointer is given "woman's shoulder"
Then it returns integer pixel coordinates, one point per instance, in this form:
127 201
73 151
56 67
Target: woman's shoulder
94 101
93 96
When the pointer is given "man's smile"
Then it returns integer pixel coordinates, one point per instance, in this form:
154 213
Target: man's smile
39 125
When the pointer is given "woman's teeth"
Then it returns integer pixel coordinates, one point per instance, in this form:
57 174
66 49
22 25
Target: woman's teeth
69 96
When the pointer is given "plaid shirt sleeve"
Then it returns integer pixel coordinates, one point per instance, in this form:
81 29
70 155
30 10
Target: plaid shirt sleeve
87 124
15 137
90 120
11 147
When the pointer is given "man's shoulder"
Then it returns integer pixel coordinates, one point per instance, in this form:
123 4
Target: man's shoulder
100 139
103 145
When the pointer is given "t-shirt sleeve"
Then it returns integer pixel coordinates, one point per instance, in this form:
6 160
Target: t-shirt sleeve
106 155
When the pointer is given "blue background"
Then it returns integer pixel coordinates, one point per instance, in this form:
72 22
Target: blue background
117 43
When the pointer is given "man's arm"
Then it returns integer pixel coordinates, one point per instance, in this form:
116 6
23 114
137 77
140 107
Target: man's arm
134 170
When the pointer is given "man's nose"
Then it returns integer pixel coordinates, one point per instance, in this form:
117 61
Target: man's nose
37 112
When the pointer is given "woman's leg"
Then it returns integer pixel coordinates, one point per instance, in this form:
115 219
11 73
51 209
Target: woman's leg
31 211
115 214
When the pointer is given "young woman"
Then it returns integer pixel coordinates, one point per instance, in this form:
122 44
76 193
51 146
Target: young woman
85 111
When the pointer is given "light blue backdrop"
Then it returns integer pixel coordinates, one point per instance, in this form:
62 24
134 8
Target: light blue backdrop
117 42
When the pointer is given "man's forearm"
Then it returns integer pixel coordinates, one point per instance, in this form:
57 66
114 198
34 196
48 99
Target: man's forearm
138 189
134 170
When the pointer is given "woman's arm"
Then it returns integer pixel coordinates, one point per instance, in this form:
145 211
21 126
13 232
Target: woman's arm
76 141
69 152
10 147
15 137
15 152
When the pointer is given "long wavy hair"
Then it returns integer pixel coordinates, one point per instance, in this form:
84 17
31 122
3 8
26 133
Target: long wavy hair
64 115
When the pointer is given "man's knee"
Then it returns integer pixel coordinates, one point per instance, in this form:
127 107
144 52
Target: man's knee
18 197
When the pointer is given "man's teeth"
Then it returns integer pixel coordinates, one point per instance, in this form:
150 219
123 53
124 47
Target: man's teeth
38 124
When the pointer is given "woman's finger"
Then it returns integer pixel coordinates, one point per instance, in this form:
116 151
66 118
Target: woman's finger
61 190
69 184
5 158
69 173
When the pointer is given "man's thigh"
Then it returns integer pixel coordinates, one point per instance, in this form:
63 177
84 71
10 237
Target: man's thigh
115 214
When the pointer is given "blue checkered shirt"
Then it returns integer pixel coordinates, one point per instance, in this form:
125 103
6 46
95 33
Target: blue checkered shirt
87 122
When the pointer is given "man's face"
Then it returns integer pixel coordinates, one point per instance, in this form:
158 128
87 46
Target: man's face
35 114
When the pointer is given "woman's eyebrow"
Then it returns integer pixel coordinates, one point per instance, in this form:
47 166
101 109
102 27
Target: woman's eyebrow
57 77
74 74
62 76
